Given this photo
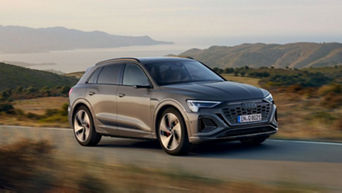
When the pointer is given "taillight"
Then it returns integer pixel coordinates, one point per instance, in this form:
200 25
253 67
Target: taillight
70 91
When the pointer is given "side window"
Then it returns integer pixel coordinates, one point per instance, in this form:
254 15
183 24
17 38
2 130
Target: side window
133 75
93 77
110 74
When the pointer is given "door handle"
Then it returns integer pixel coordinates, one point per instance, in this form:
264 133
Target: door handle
122 95
91 93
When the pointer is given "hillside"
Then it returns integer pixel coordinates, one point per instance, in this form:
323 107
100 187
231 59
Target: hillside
17 39
294 55
77 75
14 76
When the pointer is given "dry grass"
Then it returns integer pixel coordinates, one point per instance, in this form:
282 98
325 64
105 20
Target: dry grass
24 121
40 105
303 113
302 117
37 106
246 80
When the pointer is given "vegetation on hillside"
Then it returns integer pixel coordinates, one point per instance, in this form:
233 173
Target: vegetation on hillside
32 92
309 100
20 78
77 75
277 77
294 55
54 117
10 114
22 83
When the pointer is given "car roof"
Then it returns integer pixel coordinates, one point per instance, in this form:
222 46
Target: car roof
145 60
161 59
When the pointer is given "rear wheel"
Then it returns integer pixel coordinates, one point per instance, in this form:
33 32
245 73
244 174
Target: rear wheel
84 129
172 132
253 140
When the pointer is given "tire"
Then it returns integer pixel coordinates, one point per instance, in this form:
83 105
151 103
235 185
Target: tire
84 129
172 133
253 141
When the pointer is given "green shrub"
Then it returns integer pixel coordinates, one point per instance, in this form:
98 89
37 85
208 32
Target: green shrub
33 116
229 70
64 110
218 70
51 112
7 108
259 74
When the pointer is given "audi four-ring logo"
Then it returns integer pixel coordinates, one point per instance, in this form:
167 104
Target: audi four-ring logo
248 105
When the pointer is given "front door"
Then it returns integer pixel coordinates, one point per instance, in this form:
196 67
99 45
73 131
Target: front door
133 103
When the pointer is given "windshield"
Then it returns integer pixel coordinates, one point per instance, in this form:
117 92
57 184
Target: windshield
174 72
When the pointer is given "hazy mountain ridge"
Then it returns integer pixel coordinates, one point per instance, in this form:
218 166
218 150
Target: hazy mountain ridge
17 39
293 55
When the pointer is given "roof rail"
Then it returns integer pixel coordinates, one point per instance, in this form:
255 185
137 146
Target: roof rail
115 59
188 57
178 56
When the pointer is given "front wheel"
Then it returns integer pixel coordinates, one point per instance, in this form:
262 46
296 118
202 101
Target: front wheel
172 132
84 129
252 141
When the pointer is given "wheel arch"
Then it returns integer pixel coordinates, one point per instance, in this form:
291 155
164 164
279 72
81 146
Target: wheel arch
77 104
169 104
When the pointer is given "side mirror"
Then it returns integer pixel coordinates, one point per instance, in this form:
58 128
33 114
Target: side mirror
143 86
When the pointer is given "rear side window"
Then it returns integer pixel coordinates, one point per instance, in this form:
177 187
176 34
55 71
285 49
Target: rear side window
93 77
133 75
110 74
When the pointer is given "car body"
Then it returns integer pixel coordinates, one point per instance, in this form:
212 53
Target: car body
122 102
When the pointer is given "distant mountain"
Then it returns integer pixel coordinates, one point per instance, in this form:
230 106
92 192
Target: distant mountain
12 76
293 55
17 39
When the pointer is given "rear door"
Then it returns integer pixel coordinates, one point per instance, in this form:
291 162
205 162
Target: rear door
103 95
133 104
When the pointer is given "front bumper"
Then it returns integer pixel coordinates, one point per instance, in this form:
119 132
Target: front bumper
221 126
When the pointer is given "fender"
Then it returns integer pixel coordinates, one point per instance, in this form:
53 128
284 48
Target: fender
82 101
178 106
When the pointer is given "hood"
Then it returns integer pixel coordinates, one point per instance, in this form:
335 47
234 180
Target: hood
222 91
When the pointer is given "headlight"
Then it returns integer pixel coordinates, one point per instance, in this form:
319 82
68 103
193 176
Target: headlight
195 105
269 98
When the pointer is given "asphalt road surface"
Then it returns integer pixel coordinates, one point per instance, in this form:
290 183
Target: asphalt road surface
304 162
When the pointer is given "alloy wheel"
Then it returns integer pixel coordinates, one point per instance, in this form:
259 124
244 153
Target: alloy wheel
170 131
82 125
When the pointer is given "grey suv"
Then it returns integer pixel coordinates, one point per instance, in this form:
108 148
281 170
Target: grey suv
178 101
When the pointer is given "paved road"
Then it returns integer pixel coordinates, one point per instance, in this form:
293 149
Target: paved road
311 163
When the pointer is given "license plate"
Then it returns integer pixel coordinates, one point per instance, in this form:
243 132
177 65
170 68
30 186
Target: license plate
249 118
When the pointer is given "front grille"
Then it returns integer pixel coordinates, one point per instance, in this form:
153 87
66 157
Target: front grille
234 110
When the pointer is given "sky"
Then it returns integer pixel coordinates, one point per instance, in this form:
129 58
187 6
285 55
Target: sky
186 20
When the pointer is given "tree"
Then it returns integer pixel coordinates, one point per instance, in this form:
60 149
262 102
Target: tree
218 70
